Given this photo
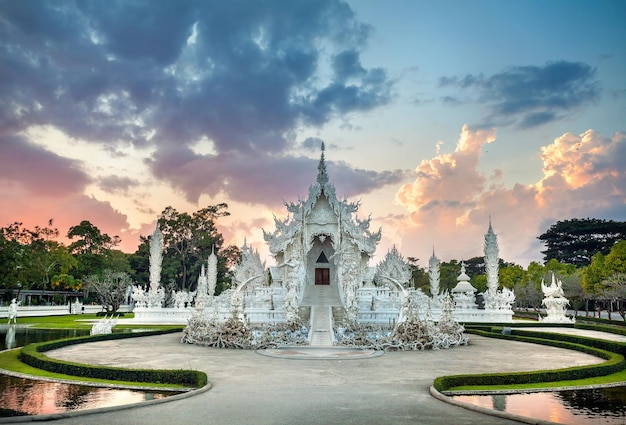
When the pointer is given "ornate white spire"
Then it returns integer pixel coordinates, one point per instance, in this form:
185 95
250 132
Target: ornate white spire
322 175
491 258
212 272
434 274
156 257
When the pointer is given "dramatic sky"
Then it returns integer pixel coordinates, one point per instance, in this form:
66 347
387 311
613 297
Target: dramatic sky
435 114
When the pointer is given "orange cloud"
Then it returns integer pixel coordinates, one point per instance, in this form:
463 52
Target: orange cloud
450 201
449 182
66 211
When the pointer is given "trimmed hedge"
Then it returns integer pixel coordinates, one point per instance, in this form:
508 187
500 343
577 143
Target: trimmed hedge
599 320
32 355
617 330
615 363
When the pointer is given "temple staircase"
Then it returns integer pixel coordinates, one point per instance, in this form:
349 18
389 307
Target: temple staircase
321 299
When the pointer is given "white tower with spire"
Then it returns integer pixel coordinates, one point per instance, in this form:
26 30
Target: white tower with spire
434 274
491 259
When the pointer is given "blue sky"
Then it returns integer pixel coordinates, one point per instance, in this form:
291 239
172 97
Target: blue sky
436 115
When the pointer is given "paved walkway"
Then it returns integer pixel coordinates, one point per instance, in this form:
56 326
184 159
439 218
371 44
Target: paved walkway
252 389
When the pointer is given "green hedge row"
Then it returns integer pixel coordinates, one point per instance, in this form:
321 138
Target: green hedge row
32 355
615 363
621 323
618 330
612 346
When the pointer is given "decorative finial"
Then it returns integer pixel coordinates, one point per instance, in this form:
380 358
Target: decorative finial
322 176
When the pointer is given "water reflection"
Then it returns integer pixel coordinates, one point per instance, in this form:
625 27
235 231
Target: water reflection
35 397
9 340
575 407
39 397
20 335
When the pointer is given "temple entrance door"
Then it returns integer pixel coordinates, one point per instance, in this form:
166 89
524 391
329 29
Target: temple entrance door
322 276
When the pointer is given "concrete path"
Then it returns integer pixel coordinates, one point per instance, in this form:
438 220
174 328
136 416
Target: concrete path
326 295
321 326
252 389
320 298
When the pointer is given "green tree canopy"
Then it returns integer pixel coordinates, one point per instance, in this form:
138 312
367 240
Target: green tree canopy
30 257
575 241
595 275
188 240
110 287
94 251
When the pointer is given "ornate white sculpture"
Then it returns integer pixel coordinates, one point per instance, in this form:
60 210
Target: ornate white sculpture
463 292
202 299
212 273
140 297
434 274
156 295
292 283
13 310
104 326
495 299
555 302
491 259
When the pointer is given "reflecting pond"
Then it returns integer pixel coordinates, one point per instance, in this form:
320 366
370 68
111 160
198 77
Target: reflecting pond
34 397
596 406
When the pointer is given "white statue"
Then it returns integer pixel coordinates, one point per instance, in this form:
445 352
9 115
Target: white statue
139 296
555 289
293 285
13 310
104 326
555 302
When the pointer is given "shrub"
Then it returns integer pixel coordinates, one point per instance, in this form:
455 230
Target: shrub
33 355
612 352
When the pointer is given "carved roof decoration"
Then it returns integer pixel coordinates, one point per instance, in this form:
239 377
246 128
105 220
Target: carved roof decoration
355 229
250 267
394 266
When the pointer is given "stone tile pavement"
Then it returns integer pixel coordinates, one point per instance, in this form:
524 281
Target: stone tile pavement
248 388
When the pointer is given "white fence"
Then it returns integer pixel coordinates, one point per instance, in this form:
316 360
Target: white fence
54 310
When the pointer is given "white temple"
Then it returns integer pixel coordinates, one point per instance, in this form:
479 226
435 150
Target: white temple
322 277
322 243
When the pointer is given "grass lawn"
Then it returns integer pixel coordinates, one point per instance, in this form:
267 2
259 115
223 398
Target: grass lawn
9 360
614 378
81 321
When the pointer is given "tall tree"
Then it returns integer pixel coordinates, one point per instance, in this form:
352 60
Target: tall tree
419 275
140 262
12 259
595 275
575 241
30 257
92 249
110 287
89 239
190 238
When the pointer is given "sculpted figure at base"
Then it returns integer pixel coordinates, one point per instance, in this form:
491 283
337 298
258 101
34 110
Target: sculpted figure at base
13 310
555 302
